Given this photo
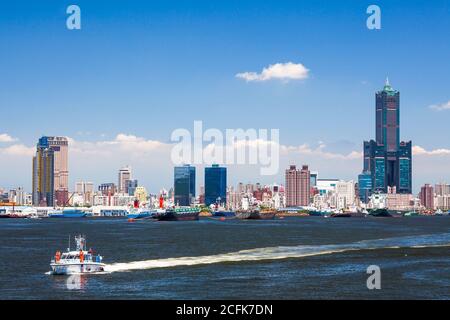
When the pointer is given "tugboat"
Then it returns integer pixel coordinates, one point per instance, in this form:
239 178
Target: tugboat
78 261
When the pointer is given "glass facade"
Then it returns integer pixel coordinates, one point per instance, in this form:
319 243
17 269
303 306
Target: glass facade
43 175
131 186
379 174
215 185
365 186
184 185
387 159
405 170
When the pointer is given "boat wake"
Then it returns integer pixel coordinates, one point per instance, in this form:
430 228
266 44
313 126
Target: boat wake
285 252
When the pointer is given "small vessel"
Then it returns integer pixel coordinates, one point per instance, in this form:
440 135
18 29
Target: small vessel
315 213
246 214
13 213
380 213
341 215
411 214
69 213
223 213
77 261
177 214
256 214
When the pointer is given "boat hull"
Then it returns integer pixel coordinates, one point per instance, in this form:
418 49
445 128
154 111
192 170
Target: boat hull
223 214
175 216
138 216
76 268
67 215
13 216
341 215
255 215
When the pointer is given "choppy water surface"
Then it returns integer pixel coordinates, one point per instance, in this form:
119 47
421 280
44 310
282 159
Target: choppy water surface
294 258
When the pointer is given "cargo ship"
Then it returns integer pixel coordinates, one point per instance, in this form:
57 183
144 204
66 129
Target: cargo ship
141 214
69 213
177 214
136 212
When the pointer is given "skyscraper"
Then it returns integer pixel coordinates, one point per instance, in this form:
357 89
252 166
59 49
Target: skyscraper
215 185
298 185
43 174
124 175
305 186
51 152
184 185
427 196
387 159
60 147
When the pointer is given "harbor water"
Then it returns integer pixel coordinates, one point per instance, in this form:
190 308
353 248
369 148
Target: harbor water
291 258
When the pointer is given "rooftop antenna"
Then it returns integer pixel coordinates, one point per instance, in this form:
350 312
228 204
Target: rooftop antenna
387 81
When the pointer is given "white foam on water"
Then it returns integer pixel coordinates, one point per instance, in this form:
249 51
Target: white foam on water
285 252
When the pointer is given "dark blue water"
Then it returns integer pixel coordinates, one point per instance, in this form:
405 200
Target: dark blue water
292 258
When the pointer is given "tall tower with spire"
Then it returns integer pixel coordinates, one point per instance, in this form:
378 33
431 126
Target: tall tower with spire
387 159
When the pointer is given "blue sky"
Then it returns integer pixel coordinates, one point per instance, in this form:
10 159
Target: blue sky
145 68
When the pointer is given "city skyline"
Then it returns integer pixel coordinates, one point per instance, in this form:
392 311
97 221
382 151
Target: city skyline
166 69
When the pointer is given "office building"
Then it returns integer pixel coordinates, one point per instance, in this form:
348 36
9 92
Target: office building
184 185
215 185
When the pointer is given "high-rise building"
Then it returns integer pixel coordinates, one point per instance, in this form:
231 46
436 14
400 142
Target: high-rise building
107 189
124 175
298 184
184 185
57 149
314 175
215 185
140 194
86 191
305 186
130 187
427 196
292 181
387 159
43 174
365 186
442 189
60 147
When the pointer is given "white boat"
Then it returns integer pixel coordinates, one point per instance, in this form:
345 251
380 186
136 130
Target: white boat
78 261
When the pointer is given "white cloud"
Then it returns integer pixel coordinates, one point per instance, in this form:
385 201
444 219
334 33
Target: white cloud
440 107
129 145
281 71
6 138
17 150
99 160
418 150
305 149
